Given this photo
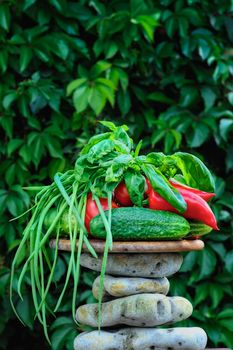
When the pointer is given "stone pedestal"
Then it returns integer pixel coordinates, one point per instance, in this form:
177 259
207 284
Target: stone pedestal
136 305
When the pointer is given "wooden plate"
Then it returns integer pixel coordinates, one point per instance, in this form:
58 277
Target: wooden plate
137 246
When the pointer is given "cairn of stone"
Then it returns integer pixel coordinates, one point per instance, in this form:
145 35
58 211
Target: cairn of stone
135 305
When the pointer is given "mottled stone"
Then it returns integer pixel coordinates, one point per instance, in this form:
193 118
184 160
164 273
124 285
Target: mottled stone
124 286
136 265
143 339
142 310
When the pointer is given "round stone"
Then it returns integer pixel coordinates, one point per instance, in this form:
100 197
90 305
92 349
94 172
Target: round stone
142 310
143 338
124 286
136 265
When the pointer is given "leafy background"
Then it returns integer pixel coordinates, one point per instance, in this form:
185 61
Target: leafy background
164 68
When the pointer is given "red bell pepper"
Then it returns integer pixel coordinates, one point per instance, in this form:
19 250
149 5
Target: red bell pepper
197 208
92 209
205 195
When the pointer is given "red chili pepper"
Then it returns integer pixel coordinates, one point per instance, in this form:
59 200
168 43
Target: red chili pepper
121 195
197 208
205 195
92 209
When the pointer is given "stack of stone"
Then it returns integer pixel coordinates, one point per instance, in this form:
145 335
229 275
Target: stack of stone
135 302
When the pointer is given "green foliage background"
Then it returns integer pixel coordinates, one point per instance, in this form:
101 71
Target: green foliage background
164 68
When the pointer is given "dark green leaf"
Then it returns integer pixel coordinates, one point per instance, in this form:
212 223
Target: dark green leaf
135 184
80 98
5 16
229 262
195 173
9 99
75 84
209 96
25 57
200 135
226 125
99 67
160 97
96 100
3 60
207 263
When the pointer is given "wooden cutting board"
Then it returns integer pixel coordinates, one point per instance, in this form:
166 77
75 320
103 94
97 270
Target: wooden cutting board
136 246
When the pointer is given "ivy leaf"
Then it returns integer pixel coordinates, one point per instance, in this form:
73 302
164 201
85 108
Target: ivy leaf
99 67
148 23
190 260
28 3
226 125
199 135
209 96
207 262
3 60
159 96
75 84
5 16
96 100
229 262
25 57
9 99
13 145
80 98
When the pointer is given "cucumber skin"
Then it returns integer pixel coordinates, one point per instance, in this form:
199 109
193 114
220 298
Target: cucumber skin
198 229
143 224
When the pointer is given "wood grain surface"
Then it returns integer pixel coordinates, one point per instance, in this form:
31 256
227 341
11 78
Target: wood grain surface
137 246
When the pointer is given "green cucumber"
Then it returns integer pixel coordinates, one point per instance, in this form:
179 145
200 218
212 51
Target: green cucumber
198 229
137 224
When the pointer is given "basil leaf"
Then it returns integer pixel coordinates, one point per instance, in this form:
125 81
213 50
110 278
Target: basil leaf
135 184
94 140
155 158
99 150
122 159
180 178
195 173
161 185
121 136
114 173
121 147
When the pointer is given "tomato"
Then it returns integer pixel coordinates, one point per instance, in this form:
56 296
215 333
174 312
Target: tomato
92 209
121 195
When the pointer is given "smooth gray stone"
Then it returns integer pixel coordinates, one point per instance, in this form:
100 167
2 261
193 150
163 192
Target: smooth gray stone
143 339
124 286
136 265
142 310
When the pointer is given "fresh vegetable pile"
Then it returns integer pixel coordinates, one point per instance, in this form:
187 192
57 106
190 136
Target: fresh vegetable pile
112 193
